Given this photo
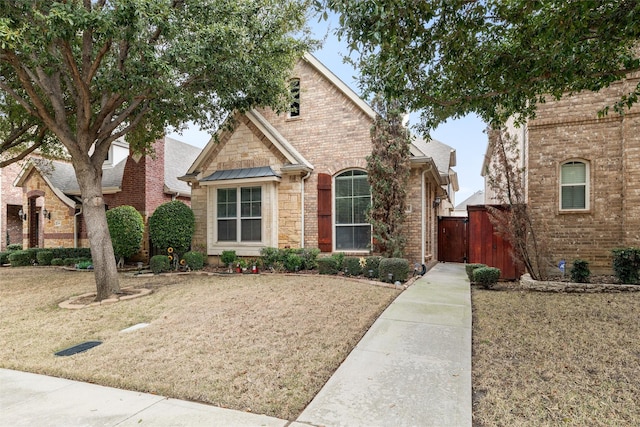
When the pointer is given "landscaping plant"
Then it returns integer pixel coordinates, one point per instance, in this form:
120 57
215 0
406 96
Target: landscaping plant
469 268
626 265
580 271
159 264
126 227
486 277
397 267
172 225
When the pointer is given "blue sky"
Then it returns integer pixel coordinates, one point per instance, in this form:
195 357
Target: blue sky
465 135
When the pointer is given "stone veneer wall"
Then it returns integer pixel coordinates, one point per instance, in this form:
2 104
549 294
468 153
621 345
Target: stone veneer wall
570 129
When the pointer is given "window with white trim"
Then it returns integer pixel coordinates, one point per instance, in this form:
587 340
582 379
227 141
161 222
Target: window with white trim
574 185
239 214
352 200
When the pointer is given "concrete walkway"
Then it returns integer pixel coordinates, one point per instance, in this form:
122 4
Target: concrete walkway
412 368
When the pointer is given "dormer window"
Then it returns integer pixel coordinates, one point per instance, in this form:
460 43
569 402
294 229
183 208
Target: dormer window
294 87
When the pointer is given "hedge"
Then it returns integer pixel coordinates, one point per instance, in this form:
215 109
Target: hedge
20 258
397 267
44 257
469 268
195 260
159 264
486 276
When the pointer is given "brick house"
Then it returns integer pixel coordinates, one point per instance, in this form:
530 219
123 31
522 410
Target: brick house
299 179
49 195
583 175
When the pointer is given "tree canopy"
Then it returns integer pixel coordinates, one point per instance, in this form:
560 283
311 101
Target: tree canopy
78 74
497 58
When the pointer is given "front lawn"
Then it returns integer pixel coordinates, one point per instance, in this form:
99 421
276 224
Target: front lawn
260 343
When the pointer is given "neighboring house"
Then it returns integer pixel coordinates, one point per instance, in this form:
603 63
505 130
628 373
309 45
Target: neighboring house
299 179
476 198
583 175
49 202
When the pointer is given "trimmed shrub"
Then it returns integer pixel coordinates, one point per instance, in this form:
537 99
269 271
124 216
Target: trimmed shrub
20 258
328 265
373 265
486 276
269 256
228 257
57 261
309 258
172 226
626 265
14 247
293 262
126 228
195 260
398 267
159 264
469 268
580 271
44 257
351 266
4 257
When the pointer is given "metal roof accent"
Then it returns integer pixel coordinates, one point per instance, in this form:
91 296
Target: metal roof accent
244 173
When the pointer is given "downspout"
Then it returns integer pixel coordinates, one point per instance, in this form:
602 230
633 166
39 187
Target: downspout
423 219
302 207
75 227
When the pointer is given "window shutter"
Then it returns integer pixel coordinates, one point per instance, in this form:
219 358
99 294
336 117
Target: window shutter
324 213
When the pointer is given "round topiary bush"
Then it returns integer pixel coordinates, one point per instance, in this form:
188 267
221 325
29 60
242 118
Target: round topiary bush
195 260
57 261
159 264
397 267
172 226
469 268
126 228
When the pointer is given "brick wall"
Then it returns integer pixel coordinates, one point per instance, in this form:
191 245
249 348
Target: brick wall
570 129
10 204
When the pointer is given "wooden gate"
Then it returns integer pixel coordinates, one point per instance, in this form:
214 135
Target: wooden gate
485 246
452 239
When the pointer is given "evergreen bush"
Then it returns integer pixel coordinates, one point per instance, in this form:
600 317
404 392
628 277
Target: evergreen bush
580 271
626 265
373 265
126 227
293 262
57 261
328 265
228 257
20 258
195 260
14 247
172 226
44 257
351 266
486 276
159 264
398 267
469 268
4 257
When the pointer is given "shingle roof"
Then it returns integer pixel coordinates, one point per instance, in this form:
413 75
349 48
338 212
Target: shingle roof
438 151
259 172
178 156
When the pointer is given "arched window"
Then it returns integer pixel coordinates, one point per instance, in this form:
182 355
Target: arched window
574 185
352 200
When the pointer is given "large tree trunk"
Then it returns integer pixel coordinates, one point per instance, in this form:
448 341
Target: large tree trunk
104 261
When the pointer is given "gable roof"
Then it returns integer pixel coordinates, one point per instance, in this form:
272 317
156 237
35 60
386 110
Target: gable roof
346 90
476 198
178 156
293 156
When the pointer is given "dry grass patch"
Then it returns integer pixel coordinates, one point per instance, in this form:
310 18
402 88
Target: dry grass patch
547 359
260 343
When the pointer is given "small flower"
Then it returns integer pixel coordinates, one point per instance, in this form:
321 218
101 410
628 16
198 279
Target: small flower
363 262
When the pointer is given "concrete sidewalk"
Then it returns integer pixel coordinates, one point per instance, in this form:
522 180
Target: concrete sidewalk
412 368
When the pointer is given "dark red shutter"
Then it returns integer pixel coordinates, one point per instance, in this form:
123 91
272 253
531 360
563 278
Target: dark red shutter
324 213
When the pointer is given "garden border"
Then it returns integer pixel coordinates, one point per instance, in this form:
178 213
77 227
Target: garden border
550 286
